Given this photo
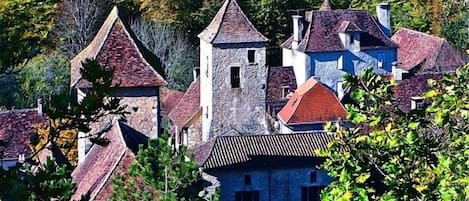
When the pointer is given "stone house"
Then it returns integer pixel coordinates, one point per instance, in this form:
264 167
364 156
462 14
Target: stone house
135 77
265 167
309 108
339 42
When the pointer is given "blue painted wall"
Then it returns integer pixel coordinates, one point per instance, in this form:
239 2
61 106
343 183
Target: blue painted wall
324 64
275 184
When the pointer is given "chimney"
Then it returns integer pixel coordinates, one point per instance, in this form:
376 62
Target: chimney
396 72
297 30
39 107
383 12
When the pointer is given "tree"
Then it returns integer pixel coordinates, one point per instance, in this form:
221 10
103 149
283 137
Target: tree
43 76
392 155
24 27
45 182
160 172
177 55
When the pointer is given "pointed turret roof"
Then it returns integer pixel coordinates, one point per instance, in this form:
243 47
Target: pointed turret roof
231 25
325 6
116 47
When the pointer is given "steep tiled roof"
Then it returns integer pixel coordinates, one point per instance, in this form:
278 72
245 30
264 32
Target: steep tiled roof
414 86
322 34
95 173
312 102
231 25
16 128
169 99
188 106
279 78
114 46
261 150
417 48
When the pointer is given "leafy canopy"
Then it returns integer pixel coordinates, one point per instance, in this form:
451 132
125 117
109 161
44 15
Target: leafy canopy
392 155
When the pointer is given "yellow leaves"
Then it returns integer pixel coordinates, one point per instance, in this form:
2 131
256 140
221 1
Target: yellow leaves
347 195
421 188
362 178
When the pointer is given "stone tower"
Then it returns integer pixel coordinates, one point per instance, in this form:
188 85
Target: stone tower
232 74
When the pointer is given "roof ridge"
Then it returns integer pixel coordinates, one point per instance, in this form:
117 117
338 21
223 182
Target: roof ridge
17 110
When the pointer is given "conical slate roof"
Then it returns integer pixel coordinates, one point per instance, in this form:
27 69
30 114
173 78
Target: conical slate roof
231 25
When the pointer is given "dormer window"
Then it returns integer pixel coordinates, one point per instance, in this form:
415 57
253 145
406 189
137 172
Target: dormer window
380 60
352 38
251 56
285 91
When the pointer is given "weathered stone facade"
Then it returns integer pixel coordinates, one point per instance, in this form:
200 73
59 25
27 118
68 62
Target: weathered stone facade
225 107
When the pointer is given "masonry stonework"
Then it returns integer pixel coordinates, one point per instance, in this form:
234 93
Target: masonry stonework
241 109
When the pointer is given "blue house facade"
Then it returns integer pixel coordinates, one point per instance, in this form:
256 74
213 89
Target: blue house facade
339 42
265 167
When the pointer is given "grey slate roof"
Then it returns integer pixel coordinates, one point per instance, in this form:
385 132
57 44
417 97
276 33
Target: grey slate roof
324 26
260 150
231 25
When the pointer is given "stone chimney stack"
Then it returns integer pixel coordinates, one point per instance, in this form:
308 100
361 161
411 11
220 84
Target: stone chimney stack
297 30
40 111
383 12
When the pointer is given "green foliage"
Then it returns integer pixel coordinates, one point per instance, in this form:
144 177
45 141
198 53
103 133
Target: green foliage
392 155
43 76
160 171
42 183
24 25
444 18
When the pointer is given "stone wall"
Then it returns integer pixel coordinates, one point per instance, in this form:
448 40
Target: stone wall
241 109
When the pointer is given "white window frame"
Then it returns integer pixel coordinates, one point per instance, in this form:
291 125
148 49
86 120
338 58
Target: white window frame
340 90
340 62
381 58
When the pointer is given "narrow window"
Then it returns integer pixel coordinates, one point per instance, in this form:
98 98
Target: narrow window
310 193
352 38
235 77
247 196
380 60
285 91
206 70
251 56
247 180
206 112
313 177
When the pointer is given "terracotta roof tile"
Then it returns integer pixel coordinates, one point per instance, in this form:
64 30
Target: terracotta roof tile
188 106
114 46
417 48
94 174
312 102
16 128
279 79
169 99
261 150
324 26
230 25
414 86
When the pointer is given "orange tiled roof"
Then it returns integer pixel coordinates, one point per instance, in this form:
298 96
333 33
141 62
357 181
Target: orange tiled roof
312 102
